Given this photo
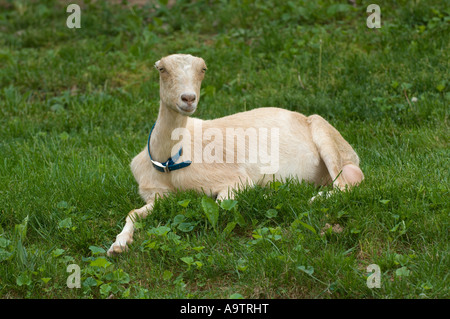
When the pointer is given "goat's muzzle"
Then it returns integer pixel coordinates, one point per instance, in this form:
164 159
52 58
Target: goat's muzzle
188 102
188 98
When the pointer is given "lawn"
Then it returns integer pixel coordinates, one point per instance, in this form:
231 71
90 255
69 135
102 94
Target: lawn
76 105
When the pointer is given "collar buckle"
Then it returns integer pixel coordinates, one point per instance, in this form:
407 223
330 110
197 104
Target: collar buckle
169 165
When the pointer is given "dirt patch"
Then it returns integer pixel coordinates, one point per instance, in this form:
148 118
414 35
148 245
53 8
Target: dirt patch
336 228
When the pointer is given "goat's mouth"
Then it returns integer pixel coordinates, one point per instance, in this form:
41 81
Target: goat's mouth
187 109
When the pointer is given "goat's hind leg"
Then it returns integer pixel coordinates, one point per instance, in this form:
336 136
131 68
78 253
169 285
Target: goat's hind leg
341 160
125 237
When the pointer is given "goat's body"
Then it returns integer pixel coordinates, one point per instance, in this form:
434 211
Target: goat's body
299 155
306 148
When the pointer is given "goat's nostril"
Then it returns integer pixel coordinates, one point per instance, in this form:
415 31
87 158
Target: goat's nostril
188 98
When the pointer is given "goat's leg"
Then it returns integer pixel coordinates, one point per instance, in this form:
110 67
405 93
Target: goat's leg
228 191
339 157
126 235
225 194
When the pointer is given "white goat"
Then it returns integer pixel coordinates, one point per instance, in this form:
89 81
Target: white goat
308 148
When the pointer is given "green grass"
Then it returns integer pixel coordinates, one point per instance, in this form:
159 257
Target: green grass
77 104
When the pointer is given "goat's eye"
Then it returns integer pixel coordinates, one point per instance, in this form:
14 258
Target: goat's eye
161 70
204 70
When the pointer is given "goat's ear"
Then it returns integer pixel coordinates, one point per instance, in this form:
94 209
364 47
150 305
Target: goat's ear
157 64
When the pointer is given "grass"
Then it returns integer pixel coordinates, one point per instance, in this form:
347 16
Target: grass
77 104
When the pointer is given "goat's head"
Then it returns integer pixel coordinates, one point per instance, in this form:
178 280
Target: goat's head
181 76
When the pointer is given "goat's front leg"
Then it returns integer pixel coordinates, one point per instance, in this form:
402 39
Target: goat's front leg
228 192
126 235
225 194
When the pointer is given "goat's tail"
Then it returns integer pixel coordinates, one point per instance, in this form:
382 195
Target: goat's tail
339 157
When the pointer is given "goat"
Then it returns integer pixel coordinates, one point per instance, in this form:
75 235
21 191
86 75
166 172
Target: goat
307 148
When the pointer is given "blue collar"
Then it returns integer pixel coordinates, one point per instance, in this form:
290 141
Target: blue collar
168 165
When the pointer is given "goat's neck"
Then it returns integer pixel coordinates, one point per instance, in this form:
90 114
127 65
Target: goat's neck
161 144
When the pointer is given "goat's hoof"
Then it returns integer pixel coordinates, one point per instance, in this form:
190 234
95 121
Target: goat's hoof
119 246
322 195
319 194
